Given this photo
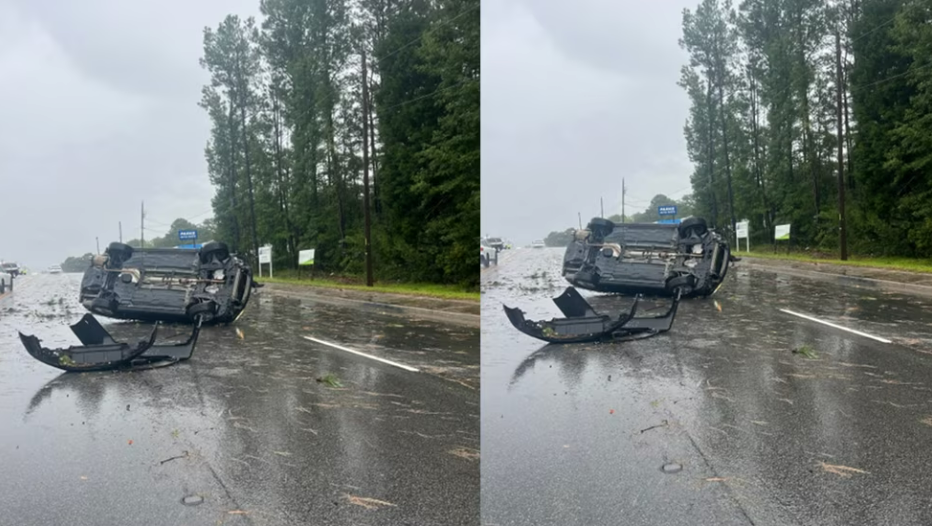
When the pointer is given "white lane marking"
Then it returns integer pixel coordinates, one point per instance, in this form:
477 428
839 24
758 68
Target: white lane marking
859 333
376 358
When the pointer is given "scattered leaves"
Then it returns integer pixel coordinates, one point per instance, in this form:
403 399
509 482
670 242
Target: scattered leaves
368 503
331 380
806 351
841 471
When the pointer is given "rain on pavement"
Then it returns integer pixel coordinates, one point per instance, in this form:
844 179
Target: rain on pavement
244 427
834 433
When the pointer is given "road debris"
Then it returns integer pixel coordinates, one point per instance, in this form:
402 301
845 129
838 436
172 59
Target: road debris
841 471
663 423
367 502
183 455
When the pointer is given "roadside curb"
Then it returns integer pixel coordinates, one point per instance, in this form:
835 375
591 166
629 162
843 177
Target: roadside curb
444 316
842 279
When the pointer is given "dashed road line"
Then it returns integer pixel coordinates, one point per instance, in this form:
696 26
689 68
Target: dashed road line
359 353
859 333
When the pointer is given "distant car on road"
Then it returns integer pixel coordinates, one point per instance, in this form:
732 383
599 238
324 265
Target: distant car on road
538 244
6 281
54 269
496 242
11 268
487 253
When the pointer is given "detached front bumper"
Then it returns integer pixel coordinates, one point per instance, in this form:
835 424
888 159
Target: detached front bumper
100 352
582 324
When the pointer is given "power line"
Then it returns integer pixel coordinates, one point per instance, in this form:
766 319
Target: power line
898 75
873 30
431 94
421 36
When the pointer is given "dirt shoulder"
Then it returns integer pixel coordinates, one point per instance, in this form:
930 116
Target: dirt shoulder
460 312
887 279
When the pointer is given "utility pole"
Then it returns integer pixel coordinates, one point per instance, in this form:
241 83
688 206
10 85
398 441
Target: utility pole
580 219
843 235
98 244
121 231
622 199
365 166
142 226
602 207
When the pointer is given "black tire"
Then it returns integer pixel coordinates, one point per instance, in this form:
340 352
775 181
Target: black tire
2 286
119 252
693 224
214 249
484 260
601 227
685 284
204 307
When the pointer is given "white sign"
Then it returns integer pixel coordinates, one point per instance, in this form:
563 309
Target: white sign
741 231
265 254
306 257
265 257
782 232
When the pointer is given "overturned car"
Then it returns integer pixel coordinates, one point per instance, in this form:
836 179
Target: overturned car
206 285
685 259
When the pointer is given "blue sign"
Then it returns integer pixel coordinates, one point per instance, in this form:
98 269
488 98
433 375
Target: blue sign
668 210
187 234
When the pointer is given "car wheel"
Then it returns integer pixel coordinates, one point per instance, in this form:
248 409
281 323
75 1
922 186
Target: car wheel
484 261
601 227
214 249
205 307
695 225
119 252
684 283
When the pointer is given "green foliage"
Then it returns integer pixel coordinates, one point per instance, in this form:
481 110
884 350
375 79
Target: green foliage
77 264
559 239
286 148
775 63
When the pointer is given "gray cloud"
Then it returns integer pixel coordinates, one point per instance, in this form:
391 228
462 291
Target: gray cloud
575 96
98 112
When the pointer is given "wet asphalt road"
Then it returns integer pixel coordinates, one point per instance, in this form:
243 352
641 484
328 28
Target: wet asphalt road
258 438
578 434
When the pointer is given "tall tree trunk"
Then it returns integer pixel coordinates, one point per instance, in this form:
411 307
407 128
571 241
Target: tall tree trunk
333 170
755 127
710 135
232 160
283 202
724 118
247 169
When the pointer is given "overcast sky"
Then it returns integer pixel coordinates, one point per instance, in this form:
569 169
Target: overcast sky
98 112
575 96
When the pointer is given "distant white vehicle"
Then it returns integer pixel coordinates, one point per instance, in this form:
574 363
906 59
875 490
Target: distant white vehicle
487 254
538 244
55 269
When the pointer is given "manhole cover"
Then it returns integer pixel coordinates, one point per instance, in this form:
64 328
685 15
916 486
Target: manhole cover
672 468
192 500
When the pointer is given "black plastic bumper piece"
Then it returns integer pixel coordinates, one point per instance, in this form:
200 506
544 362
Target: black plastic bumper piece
100 352
582 324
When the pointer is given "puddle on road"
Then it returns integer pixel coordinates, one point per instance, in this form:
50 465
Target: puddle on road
743 401
249 407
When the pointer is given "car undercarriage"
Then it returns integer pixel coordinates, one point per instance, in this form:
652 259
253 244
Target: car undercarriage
662 259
